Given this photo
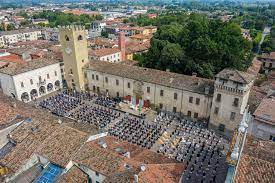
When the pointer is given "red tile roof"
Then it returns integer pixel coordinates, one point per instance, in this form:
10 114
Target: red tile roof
266 111
13 58
257 163
109 161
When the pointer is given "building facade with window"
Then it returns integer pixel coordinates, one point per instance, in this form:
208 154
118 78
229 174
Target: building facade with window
15 36
263 125
223 101
166 90
231 93
31 80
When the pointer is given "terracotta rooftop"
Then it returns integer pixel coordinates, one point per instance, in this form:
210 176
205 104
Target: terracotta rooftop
256 95
169 79
101 42
136 46
103 52
235 75
266 111
109 161
41 44
257 163
60 146
254 69
14 69
140 36
42 135
166 173
12 58
9 111
268 56
74 174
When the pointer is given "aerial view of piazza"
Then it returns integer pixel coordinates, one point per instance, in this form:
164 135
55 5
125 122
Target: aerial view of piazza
137 91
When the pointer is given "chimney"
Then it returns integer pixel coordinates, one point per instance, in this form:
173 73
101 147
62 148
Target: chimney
127 154
121 45
135 178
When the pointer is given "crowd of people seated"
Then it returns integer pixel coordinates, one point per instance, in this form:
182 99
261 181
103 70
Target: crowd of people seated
62 103
107 102
135 130
94 114
201 149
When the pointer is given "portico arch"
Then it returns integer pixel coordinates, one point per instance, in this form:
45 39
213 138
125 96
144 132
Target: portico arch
57 84
50 87
25 97
34 94
42 90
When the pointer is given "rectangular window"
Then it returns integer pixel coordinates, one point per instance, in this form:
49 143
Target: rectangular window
232 116
175 96
160 105
117 82
221 127
55 73
218 99
174 109
129 85
93 76
71 71
22 85
93 88
197 101
236 102
96 77
190 99
189 113
216 111
148 89
98 90
272 138
196 115
117 94
106 79
31 81
161 92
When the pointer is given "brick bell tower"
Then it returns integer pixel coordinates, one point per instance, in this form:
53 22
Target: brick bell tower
121 45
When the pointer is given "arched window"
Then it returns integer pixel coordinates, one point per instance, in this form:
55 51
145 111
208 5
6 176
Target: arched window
67 38
80 38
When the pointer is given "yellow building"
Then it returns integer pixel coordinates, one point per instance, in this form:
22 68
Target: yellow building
40 21
75 55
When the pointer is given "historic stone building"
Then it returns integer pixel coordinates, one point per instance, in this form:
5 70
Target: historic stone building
221 101
75 55
188 95
230 99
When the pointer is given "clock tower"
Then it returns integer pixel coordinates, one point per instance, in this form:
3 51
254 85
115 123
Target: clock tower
75 55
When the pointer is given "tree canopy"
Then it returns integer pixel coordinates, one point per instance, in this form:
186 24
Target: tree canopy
60 18
199 45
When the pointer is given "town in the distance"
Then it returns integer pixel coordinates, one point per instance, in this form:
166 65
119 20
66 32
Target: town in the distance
149 91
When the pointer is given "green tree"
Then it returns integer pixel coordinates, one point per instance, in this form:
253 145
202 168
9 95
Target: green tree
199 45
